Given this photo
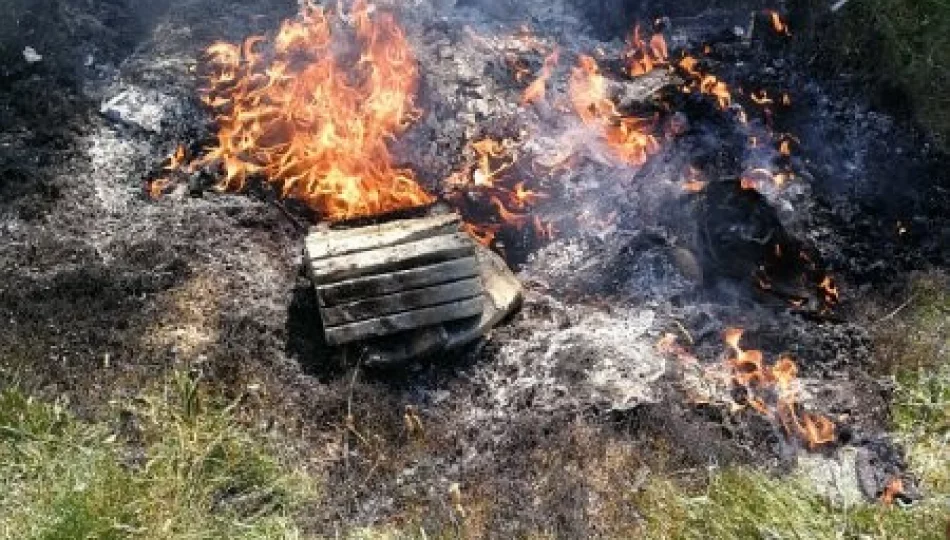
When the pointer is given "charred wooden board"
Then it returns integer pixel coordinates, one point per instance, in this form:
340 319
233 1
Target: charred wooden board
383 260
407 320
332 294
374 306
400 276
334 243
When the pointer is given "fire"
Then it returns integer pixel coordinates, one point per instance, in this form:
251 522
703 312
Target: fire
289 111
770 390
537 89
522 197
694 181
761 97
177 159
785 147
785 143
894 488
829 291
628 137
645 56
694 186
483 233
758 177
704 82
750 371
688 64
490 195
778 24
156 188
710 84
489 150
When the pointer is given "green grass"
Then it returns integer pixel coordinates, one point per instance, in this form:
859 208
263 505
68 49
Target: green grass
921 410
185 472
740 503
907 44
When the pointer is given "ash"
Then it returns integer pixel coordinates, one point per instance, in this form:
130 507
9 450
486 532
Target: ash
103 289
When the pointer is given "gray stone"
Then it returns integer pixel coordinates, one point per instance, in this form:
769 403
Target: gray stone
834 477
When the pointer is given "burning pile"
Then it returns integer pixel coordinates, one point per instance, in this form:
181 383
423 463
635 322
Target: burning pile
291 111
770 389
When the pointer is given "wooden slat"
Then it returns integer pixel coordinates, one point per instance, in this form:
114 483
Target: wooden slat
369 308
392 259
334 243
404 280
408 320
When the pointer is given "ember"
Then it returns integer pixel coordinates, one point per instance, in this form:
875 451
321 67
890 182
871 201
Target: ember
778 24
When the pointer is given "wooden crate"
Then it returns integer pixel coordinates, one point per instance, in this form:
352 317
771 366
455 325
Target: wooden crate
402 275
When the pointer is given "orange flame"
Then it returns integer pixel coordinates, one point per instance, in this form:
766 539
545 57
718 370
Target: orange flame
489 150
177 159
628 137
750 371
497 193
522 197
778 24
689 64
705 83
314 128
537 89
829 290
785 147
694 181
483 233
894 488
694 186
643 56
156 188
760 97
711 85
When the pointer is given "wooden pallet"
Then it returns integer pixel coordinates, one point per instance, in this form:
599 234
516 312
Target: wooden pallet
402 275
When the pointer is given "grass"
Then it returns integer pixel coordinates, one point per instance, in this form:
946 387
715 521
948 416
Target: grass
744 503
905 43
921 410
168 467
740 502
